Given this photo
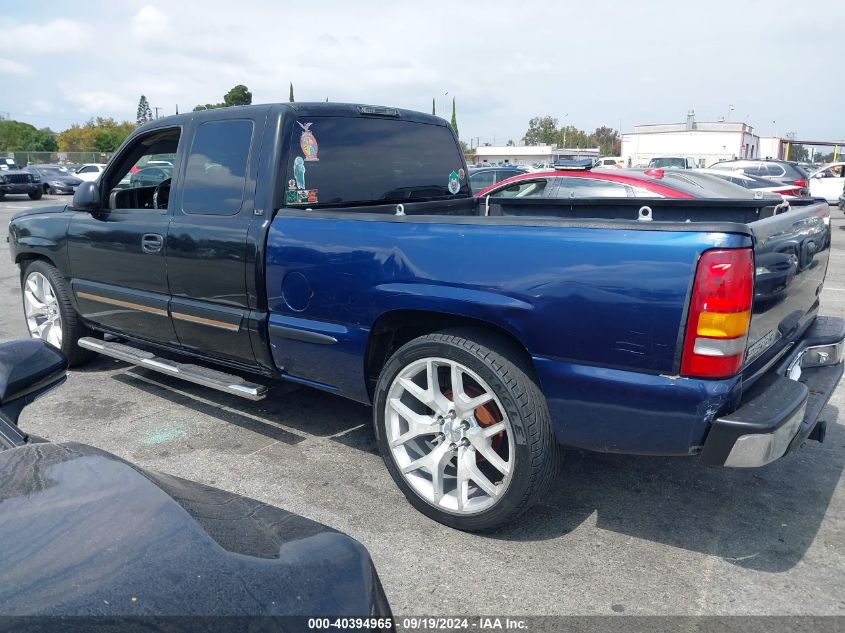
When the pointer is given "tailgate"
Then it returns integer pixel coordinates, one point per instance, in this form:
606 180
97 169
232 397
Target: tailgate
791 252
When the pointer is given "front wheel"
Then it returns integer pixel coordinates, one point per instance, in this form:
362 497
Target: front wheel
464 429
36 195
49 312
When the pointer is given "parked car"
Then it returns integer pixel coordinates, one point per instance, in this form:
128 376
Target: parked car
338 246
89 534
482 177
55 179
671 162
18 181
610 162
756 183
150 176
577 180
90 171
782 171
828 182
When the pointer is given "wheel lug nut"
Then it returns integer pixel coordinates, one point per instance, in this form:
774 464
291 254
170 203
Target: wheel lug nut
465 442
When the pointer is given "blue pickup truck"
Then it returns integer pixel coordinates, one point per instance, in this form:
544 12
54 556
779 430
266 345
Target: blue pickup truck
340 247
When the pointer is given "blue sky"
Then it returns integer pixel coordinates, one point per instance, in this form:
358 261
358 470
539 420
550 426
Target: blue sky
587 63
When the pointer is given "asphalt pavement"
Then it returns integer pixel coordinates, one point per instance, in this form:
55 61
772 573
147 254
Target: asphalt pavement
620 534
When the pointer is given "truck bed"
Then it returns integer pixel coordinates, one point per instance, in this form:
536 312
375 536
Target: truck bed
578 282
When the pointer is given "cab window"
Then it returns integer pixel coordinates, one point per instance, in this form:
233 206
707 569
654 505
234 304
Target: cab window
216 174
367 160
144 165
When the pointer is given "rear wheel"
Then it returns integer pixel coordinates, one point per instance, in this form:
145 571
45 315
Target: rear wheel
464 430
49 312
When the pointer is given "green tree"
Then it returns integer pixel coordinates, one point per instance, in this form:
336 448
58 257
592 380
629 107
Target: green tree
290 96
16 136
454 119
541 130
238 96
209 106
607 140
100 134
798 153
144 113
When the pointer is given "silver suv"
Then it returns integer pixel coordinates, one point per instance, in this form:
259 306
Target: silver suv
781 171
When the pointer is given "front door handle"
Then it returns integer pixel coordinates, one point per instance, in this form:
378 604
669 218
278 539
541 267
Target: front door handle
152 243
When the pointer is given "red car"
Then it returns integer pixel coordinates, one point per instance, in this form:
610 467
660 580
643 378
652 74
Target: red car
578 181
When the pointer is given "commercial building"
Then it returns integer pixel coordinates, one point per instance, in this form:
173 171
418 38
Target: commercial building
528 155
704 142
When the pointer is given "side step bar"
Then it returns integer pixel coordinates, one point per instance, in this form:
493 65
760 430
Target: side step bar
192 373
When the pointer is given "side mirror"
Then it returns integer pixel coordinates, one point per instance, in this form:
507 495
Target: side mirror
28 369
87 197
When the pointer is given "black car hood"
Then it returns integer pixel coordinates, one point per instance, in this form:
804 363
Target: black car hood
85 533
68 180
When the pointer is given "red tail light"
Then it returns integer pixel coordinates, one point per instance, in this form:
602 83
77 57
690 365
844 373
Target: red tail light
719 314
801 182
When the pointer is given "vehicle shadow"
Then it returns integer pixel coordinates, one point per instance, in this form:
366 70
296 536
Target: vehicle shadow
762 519
288 414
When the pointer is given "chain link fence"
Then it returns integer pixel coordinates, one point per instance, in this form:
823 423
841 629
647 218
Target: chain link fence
22 159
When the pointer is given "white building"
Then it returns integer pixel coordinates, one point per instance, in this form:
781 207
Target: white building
771 147
527 155
705 143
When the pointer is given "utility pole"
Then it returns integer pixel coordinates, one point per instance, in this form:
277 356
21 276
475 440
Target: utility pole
156 108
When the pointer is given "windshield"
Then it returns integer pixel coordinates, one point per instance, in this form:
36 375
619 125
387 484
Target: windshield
53 171
667 162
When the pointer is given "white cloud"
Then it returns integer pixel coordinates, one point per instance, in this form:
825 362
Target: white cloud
100 102
10 67
151 24
53 36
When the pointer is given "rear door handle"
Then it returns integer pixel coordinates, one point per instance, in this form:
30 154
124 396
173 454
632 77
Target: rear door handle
152 243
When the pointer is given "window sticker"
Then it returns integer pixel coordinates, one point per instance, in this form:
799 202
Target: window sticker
308 142
454 183
299 172
462 174
301 196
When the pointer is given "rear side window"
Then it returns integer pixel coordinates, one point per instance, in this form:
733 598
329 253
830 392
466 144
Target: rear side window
590 188
216 173
348 160
523 189
773 170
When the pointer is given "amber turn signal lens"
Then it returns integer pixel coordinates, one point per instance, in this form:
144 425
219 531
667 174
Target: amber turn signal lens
723 325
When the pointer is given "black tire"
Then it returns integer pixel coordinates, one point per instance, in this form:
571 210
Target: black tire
46 188
36 195
2 195
510 376
72 327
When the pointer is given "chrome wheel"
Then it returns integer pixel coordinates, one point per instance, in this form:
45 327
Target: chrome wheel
449 435
41 308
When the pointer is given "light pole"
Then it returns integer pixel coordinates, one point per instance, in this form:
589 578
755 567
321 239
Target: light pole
564 130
